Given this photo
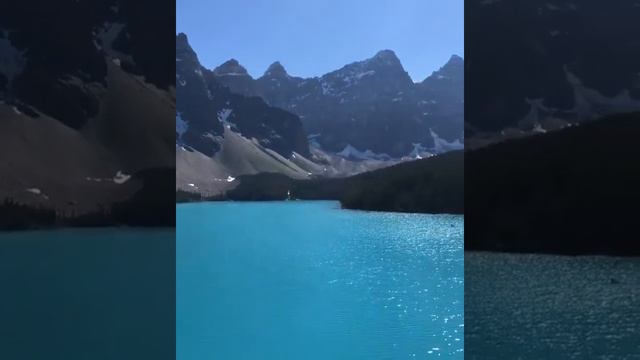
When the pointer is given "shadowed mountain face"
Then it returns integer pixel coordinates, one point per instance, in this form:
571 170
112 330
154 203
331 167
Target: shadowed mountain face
205 107
551 63
221 135
50 41
572 191
367 105
86 101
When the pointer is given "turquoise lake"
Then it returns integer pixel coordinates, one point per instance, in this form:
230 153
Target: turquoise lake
87 294
551 307
308 280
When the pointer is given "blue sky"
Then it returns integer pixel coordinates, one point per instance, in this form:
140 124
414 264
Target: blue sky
313 37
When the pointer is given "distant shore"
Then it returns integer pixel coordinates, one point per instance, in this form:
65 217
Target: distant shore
433 185
151 206
17 217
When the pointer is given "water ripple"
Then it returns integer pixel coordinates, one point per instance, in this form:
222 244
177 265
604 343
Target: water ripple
552 307
308 278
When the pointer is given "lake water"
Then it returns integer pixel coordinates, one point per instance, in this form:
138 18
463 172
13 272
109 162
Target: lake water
87 294
551 307
307 280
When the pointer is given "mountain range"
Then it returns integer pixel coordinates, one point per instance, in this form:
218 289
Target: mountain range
367 115
366 105
563 62
86 103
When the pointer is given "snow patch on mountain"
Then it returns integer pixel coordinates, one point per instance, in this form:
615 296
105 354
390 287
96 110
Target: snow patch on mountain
350 75
537 128
121 178
352 78
441 145
105 37
180 80
313 140
223 114
419 152
588 100
181 125
223 117
350 152
537 112
326 88
35 191
12 60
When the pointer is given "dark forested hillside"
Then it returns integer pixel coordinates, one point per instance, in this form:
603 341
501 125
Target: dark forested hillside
433 185
149 206
573 191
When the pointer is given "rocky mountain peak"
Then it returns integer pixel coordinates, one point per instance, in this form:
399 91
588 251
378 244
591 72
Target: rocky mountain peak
182 39
376 97
186 57
453 69
231 67
386 55
276 70
385 58
183 47
455 60
384 66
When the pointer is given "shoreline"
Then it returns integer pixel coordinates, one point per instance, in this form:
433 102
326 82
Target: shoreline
577 254
342 207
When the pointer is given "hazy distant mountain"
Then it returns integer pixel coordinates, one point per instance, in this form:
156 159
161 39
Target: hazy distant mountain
367 106
86 101
535 66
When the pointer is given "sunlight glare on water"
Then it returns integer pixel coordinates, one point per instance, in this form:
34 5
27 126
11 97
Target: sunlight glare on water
309 280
